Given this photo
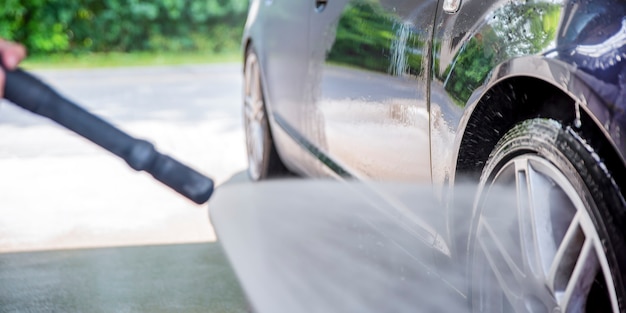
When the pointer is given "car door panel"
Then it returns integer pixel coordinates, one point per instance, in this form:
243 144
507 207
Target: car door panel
368 68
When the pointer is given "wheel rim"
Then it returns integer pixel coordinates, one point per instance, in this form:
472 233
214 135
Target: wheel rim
545 255
254 116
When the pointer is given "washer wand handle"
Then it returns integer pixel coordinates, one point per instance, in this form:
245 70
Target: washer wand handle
28 92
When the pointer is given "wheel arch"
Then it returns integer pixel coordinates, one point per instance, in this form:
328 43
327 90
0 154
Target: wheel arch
517 90
531 87
280 140
246 44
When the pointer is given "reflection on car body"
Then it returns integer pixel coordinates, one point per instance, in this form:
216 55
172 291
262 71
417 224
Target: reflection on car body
522 93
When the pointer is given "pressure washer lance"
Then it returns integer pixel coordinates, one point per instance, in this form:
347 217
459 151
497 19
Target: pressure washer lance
30 93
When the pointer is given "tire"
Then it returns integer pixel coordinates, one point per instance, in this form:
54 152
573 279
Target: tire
263 159
545 233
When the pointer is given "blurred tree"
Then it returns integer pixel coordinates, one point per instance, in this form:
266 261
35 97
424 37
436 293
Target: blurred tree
123 25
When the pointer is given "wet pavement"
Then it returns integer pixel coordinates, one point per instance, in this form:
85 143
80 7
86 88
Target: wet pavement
167 278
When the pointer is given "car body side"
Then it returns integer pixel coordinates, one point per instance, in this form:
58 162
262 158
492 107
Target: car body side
476 73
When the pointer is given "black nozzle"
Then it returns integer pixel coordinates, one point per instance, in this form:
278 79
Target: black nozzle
30 93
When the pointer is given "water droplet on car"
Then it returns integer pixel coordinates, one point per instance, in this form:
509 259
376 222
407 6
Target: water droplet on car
577 123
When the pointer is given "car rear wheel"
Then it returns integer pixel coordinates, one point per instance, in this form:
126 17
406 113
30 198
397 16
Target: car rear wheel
545 230
263 160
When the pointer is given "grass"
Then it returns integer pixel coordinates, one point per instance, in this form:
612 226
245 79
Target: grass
121 59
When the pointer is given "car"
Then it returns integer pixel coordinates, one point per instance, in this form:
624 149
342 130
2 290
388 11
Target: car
522 93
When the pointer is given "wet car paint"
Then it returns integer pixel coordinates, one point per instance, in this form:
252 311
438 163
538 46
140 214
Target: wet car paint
368 74
361 66
496 64
488 46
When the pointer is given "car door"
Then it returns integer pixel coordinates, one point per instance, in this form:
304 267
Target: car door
368 69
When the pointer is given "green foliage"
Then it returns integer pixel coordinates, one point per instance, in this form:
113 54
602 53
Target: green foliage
46 26
365 38
363 34
515 29
472 65
116 59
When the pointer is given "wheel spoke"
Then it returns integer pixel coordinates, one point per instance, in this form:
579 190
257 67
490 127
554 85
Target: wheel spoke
494 300
566 256
575 296
506 272
248 78
525 206
255 85
255 98
247 108
258 115
253 109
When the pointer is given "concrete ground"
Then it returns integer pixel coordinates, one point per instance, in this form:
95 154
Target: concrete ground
165 278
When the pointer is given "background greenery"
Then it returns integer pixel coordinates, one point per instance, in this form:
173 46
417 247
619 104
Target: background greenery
86 26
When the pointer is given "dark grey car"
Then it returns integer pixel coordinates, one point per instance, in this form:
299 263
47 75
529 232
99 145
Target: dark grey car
528 94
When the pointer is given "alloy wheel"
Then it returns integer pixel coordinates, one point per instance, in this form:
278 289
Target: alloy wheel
537 249
255 120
